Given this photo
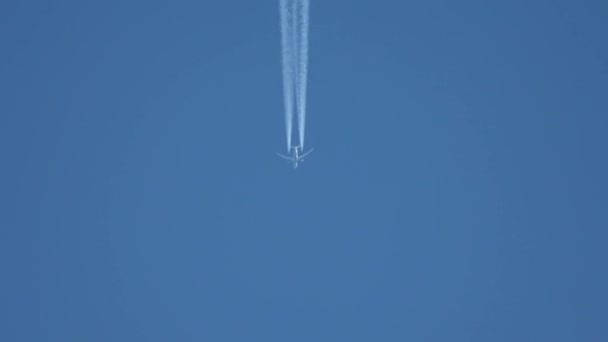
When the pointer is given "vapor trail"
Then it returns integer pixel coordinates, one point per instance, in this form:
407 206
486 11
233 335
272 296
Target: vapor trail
287 31
294 43
302 66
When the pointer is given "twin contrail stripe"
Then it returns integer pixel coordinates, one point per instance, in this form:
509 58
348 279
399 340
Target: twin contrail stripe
294 42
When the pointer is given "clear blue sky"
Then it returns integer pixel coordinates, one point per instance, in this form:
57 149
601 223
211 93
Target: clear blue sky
457 191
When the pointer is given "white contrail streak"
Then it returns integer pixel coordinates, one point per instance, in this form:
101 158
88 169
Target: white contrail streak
302 67
294 42
287 31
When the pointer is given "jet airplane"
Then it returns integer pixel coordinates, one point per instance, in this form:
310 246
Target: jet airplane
296 157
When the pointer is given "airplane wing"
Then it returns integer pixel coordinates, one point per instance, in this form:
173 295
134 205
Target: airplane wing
284 157
307 153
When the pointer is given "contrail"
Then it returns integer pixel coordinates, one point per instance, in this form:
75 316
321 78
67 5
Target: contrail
294 42
302 67
287 31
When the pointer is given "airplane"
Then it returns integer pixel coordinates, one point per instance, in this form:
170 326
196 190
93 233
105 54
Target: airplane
295 158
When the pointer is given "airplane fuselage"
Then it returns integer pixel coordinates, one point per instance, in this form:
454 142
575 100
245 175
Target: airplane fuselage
296 156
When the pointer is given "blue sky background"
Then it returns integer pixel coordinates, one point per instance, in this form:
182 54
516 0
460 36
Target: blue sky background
457 191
